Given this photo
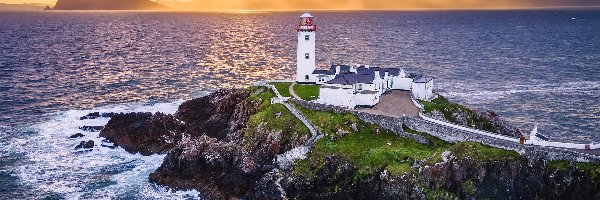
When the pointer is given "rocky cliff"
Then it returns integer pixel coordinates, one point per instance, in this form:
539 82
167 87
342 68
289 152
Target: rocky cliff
108 5
225 145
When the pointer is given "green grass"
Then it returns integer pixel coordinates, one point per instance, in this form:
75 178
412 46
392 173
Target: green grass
307 92
469 187
273 118
283 88
371 148
439 194
558 164
482 152
593 169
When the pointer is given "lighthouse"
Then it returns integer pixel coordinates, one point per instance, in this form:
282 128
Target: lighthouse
305 59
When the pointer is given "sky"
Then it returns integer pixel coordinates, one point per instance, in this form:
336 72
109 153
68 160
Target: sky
352 4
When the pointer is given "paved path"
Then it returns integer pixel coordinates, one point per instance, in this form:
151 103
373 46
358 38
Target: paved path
396 103
311 127
292 92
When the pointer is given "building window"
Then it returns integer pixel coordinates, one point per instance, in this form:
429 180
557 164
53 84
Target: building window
359 86
306 77
307 55
307 37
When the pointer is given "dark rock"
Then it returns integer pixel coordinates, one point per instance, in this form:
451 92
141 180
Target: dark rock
76 135
108 115
143 133
498 179
93 115
85 145
214 115
92 128
215 149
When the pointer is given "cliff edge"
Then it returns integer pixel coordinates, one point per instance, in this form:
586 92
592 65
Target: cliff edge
226 145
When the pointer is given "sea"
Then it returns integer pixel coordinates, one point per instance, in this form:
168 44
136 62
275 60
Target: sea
529 66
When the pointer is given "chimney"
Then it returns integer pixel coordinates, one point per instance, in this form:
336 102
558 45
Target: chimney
337 70
377 74
367 66
387 74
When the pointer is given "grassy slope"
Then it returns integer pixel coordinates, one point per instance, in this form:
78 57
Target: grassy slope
307 92
373 148
283 88
267 116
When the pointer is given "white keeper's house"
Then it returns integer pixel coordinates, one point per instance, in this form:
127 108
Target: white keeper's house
352 86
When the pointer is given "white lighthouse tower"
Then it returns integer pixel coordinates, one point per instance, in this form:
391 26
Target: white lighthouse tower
305 60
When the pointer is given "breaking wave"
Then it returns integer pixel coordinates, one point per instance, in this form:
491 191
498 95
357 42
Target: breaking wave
52 166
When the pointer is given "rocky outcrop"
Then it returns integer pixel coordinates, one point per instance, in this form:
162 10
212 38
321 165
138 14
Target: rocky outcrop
527 178
217 114
108 5
224 146
144 133
217 156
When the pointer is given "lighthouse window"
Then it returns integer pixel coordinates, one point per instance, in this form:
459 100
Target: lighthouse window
307 55
307 37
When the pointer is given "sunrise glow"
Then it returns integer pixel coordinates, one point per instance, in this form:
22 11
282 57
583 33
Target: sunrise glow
229 5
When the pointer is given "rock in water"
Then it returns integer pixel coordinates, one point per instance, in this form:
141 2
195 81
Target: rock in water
143 133
85 145
76 135
91 128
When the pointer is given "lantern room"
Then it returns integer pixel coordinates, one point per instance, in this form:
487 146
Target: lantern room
306 23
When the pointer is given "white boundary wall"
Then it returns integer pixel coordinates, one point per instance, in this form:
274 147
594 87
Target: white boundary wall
494 135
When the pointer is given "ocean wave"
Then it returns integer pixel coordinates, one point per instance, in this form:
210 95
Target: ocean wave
495 92
53 166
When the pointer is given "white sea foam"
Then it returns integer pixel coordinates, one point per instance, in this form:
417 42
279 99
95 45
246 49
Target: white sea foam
53 166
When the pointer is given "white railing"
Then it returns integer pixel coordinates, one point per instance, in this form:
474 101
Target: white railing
494 135
480 132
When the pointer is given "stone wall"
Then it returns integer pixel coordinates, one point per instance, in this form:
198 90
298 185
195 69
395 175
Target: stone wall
453 135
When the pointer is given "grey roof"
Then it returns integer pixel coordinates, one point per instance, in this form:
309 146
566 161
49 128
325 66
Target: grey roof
371 70
352 78
343 68
422 79
324 72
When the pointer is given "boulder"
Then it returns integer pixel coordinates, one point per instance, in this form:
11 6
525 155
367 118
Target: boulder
91 128
144 133
76 135
85 145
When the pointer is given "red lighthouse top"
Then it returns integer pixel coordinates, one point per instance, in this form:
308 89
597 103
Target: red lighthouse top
306 23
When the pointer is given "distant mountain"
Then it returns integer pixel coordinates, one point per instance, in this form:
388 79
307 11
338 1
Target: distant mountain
108 5
21 7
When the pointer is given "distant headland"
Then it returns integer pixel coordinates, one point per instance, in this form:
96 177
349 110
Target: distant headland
107 5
